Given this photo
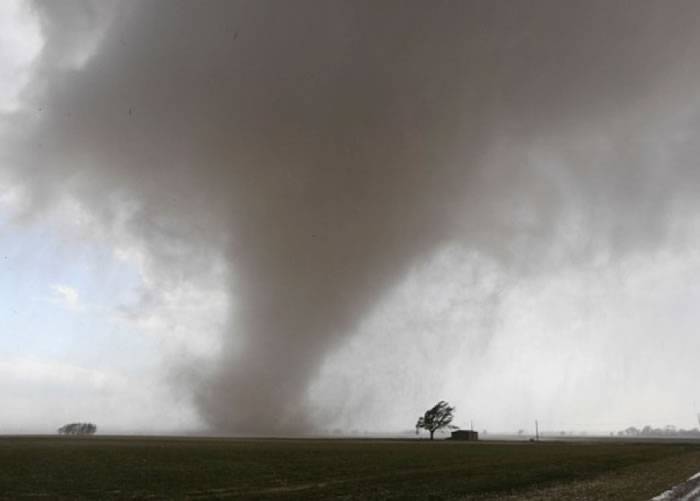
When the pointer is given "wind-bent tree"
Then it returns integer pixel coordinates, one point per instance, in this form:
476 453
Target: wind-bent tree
440 416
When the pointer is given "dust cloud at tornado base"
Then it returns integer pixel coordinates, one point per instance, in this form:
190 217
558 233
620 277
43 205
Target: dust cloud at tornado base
323 150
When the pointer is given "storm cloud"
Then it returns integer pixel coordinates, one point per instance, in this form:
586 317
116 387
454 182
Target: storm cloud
323 148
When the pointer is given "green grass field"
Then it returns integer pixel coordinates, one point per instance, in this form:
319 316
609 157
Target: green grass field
193 468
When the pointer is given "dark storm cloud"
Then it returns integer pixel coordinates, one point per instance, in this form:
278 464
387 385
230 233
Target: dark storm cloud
325 147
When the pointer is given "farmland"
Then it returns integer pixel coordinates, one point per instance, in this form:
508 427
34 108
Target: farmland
209 468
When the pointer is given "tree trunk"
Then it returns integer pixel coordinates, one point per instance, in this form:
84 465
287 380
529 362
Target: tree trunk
431 434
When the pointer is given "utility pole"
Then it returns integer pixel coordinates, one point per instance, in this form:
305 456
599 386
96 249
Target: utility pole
471 425
537 431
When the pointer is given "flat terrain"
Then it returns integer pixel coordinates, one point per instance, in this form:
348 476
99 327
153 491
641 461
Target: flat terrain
197 468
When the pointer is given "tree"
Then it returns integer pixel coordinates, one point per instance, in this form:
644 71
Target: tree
440 416
78 429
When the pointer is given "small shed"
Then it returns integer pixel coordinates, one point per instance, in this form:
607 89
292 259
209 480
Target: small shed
465 435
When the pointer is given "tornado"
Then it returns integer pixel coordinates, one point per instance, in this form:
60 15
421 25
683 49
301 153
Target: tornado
324 148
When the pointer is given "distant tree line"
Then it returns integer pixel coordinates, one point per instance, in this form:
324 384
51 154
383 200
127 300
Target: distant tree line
666 431
78 429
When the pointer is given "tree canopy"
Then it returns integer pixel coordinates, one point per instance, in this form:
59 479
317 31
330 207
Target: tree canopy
438 417
78 429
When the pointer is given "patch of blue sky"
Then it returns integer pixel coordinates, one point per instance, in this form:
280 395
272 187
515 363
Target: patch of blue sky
58 299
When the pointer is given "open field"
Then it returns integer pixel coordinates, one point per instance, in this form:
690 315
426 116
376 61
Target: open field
196 468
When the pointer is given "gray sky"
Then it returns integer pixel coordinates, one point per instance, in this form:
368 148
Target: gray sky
285 217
